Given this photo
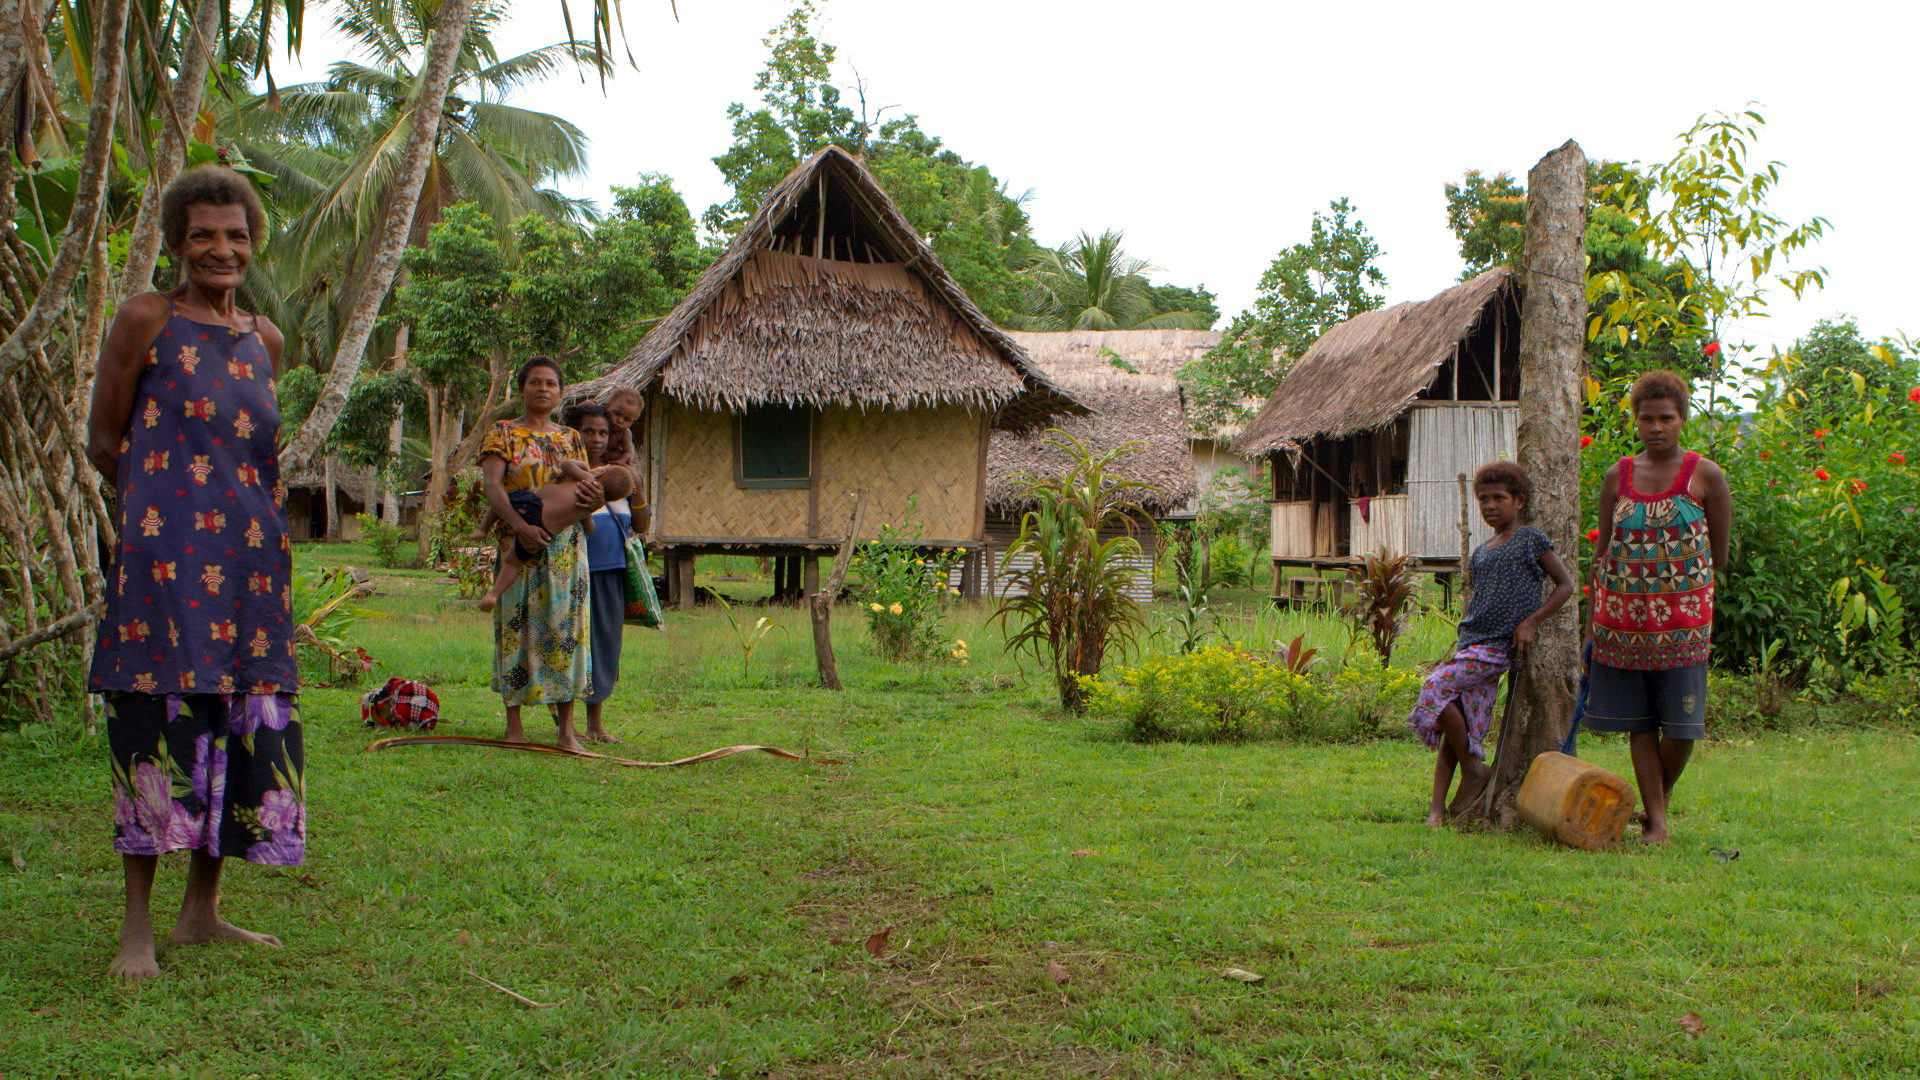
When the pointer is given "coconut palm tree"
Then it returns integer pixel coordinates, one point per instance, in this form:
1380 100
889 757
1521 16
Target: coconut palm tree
1093 284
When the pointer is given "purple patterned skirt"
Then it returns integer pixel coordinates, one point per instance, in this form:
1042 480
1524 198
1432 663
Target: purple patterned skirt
219 773
1471 677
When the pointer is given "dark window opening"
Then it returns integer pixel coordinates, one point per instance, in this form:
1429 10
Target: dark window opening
773 447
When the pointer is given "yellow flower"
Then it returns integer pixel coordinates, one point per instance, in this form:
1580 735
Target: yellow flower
960 643
877 607
959 551
896 608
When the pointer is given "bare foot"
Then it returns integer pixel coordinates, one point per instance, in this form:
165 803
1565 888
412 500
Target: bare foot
1473 783
570 743
197 929
135 958
1436 817
600 735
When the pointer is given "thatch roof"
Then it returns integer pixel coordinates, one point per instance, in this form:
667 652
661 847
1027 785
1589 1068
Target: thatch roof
1067 353
829 297
1367 370
1127 408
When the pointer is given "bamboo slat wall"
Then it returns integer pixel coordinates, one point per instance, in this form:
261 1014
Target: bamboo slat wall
1003 530
929 457
1448 440
1385 525
1293 530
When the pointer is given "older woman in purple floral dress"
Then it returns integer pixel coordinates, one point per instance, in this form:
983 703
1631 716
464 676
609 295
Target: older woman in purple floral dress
195 652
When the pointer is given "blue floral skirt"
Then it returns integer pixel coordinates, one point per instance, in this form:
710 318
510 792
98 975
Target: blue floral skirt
1471 677
219 773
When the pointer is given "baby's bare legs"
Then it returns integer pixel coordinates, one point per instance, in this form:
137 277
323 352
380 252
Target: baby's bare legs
509 573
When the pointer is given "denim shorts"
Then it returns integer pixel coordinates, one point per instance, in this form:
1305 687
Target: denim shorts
1673 702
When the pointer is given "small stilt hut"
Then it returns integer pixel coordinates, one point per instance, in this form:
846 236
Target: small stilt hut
1142 409
1370 431
825 351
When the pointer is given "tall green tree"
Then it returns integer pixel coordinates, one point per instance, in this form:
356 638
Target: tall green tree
1091 283
974 224
1326 279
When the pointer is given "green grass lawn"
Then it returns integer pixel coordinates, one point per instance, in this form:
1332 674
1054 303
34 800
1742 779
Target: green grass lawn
710 921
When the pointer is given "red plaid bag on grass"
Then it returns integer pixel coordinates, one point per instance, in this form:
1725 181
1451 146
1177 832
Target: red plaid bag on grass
402 703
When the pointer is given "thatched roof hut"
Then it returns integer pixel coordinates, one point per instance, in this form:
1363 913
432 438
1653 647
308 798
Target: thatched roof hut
1370 430
1142 409
829 297
1366 371
825 351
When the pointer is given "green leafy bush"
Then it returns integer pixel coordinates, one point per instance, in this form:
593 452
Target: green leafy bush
389 542
905 595
1218 693
324 616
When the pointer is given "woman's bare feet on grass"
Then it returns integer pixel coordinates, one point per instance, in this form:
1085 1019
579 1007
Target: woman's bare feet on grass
600 735
135 959
1436 817
199 929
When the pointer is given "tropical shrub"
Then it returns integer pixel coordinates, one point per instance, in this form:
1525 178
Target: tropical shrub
1218 693
324 616
905 595
389 542
1069 601
450 541
1382 606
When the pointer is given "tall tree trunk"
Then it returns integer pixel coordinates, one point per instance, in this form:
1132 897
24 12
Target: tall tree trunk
36 323
396 436
333 501
449 33
1553 318
439 469
143 246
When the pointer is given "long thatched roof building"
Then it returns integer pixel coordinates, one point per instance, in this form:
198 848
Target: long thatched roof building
825 351
1370 430
1142 410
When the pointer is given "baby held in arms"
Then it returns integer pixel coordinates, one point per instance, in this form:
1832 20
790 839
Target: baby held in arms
553 508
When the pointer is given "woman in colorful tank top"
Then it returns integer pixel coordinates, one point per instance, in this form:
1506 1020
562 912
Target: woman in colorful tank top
195 651
1665 519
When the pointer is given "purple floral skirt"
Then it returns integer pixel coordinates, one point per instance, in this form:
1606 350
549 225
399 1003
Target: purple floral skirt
1471 677
219 773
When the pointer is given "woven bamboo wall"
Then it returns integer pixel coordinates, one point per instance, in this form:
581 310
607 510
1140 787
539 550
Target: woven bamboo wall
893 455
697 494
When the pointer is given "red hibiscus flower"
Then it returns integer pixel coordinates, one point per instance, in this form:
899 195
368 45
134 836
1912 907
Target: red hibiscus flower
1821 475
1712 349
1765 454
1586 590
1593 536
1586 441
1914 394
1859 485
1819 433
1896 458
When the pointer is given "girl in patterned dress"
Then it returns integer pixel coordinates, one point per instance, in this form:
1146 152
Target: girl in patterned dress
195 651
1666 517
1455 707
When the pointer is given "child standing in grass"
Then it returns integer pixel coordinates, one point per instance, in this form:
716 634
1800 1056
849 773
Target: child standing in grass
1456 704
1666 518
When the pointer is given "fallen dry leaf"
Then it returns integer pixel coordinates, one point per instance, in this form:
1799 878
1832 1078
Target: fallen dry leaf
1082 851
1692 1024
877 943
979 961
461 938
19 861
1057 972
1238 975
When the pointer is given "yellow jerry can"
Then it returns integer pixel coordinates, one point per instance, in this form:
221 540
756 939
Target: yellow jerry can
1576 803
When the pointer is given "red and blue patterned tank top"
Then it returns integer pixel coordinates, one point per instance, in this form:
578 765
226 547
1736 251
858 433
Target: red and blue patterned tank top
1653 605
199 597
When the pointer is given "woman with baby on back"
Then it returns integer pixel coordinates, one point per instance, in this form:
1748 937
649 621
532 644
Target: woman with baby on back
1503 616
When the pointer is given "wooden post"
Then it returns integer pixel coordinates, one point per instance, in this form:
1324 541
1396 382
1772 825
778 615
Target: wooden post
822 600
684 585
1499 325
1466 537
1553 318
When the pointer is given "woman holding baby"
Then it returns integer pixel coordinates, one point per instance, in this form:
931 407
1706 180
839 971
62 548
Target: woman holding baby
542 623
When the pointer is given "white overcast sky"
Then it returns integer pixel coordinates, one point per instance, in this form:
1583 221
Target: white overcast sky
1211 131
